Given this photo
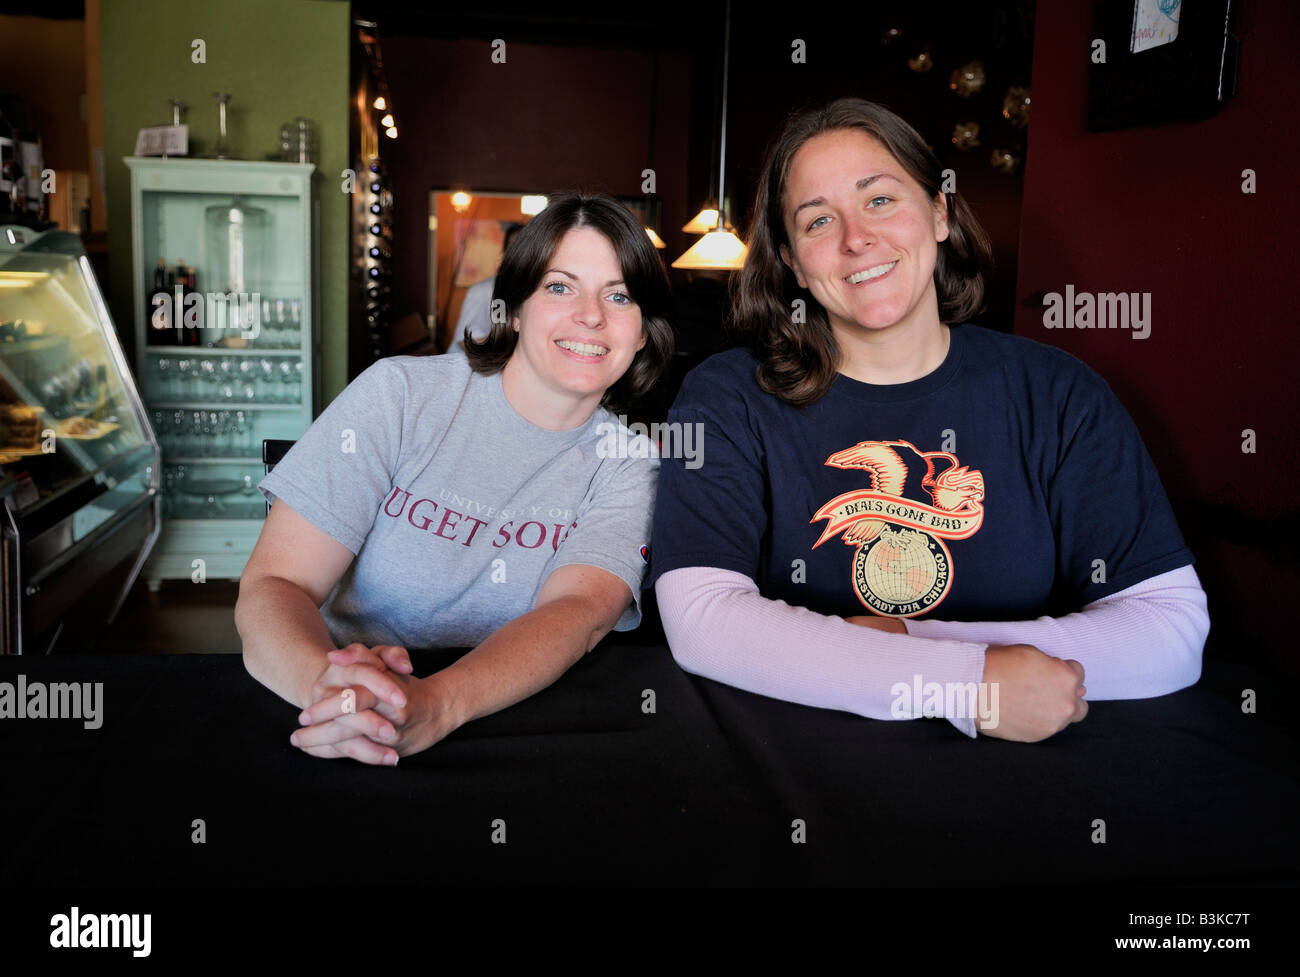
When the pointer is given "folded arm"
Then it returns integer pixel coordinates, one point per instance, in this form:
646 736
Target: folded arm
1141 642
720 627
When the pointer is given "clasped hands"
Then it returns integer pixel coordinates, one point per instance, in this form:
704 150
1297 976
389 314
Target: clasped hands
367 705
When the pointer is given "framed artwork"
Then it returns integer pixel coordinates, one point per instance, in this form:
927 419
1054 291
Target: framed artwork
479 244
1158 61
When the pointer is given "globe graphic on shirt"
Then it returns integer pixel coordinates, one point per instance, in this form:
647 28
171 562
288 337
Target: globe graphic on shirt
900 567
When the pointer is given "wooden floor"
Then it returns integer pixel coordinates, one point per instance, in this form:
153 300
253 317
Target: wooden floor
181 618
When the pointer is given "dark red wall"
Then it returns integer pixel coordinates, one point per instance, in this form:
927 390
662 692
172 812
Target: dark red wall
1160 209
549 118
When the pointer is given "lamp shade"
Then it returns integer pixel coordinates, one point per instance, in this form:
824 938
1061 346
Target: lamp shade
717 249
655 239
703 222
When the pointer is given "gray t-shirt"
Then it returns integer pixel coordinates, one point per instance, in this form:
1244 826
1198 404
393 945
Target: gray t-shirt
456 507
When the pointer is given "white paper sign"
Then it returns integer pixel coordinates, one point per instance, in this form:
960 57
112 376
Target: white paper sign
1155 22
163 141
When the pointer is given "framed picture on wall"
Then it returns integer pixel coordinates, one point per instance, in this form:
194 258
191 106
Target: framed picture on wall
1156 61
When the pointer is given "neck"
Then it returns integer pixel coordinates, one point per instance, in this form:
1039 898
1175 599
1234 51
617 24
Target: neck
900 354
540 406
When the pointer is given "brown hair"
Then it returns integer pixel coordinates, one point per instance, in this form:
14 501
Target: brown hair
526 261
798 361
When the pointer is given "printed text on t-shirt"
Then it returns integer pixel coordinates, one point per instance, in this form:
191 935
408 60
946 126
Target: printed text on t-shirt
427 515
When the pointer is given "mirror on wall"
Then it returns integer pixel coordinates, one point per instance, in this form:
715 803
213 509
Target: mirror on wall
467 234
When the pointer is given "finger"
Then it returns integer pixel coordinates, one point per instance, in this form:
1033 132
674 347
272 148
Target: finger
1077 666
330 752
395 657
342 702
367 724
376 679
358 748
352 654
1080 710
364 750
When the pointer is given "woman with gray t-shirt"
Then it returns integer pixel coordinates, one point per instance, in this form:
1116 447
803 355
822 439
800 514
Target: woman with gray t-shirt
492 501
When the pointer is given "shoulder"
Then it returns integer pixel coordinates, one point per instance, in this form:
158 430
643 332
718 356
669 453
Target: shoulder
1039 369
626 451
732 367
481 291
726 379
408 383
416 372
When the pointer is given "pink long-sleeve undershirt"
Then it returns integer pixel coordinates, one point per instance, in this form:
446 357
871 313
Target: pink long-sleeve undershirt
1140 642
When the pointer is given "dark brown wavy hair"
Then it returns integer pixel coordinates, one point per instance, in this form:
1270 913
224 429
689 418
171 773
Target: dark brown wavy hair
798 361
529 255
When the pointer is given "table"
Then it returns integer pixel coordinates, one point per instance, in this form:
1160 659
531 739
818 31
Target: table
591 788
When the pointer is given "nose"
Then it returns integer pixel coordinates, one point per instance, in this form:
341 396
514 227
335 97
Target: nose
590 312
857 234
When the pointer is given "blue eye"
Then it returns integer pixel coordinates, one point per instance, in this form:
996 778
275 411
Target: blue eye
885 199
552 286
621 298
817 222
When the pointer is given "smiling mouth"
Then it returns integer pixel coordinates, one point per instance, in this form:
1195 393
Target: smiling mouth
867 274
582 349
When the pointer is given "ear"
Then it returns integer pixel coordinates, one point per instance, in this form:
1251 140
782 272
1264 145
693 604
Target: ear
788 258
941 229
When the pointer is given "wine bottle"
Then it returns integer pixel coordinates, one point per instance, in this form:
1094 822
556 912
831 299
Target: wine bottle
188 335
175 330
191 286
158 337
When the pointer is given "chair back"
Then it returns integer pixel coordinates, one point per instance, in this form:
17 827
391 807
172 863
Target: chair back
273 449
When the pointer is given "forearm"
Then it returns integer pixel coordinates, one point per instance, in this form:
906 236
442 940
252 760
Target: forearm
720 627
1143 641
519 659
284 636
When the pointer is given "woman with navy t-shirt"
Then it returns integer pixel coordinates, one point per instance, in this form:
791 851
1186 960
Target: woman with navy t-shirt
897 514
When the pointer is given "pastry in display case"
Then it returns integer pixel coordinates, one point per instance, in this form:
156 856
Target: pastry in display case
79 465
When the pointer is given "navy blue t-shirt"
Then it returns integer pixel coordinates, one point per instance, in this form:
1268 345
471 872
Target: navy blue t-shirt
986 490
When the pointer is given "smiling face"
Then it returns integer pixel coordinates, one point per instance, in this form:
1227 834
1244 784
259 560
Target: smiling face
580 329
863 234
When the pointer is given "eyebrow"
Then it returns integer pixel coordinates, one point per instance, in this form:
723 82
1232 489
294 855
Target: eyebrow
862 184
571 275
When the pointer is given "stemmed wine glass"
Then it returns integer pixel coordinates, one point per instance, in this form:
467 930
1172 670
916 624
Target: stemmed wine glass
286 379
267 374
185 370
222 149
165 377
207 379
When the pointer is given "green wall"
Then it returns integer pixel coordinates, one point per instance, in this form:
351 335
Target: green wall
279 59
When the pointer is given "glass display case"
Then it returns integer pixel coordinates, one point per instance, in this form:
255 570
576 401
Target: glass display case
227 343
79 465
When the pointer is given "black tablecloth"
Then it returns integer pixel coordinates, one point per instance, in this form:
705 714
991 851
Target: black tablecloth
593 789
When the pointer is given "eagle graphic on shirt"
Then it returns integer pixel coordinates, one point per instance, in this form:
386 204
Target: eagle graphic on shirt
914 501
